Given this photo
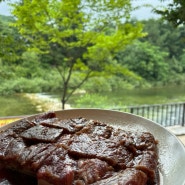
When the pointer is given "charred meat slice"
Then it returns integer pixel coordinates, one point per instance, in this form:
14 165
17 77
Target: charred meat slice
34 156
57 169
68 125
130 176
12 153
49 122
92 170
15 130
97 129
14 149
4 143
40 133
29 152
147 162
21 126
64 140
136 142
146 141
89 147
45 116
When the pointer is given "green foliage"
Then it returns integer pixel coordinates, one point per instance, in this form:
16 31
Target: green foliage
89 56
31 78
78 31
24 85
29 67
166 36
112 83
181 64
174 12
6 19
146 60
9 49
92 101
171 40
97 85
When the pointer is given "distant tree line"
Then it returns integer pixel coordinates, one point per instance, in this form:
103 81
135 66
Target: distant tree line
157 58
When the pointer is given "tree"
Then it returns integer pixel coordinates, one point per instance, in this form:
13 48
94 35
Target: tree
174 12
147 60
76 35
10 50
9 37
164 35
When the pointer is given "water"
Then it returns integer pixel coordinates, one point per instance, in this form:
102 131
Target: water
14 105
152 96
136 97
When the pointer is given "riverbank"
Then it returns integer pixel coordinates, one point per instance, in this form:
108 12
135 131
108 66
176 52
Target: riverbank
44 102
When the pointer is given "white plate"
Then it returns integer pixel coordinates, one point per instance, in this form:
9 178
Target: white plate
171 150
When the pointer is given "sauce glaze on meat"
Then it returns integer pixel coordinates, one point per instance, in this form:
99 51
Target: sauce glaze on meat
77 151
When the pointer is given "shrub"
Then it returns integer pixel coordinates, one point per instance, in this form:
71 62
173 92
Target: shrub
91 101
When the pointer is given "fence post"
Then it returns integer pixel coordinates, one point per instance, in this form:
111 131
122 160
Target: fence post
183 115
131 110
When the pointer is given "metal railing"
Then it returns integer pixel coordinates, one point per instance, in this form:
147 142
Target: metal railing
164 114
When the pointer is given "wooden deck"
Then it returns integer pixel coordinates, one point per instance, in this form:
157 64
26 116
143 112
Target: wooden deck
10 119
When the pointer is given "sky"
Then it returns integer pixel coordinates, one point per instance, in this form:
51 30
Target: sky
4 9
141 14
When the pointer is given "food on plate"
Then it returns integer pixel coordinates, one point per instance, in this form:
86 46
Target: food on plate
77 151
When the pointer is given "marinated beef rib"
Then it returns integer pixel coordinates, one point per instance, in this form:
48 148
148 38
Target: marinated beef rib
78 151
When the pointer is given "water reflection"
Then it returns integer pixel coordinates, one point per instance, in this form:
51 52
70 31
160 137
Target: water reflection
14 105
20 104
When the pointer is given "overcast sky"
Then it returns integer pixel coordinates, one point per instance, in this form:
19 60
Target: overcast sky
142 13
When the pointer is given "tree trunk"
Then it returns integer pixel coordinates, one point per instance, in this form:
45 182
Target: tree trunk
63 104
